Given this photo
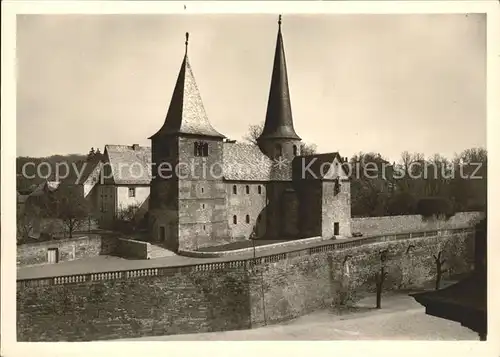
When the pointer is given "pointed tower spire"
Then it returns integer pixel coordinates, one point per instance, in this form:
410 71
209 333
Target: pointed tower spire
279 121
186 113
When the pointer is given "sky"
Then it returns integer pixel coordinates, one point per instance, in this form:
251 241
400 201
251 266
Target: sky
358 83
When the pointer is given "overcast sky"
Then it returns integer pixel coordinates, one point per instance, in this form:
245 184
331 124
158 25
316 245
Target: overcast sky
383 83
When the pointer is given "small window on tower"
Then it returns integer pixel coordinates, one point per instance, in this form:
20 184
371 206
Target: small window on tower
247 218
259 189
235 220
295 150
131 192
235 190
247 189
200 149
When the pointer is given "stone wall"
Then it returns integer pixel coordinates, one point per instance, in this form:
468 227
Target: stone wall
336 208
184 302
228 295
68 249
241 204
392 224
129 248
305 283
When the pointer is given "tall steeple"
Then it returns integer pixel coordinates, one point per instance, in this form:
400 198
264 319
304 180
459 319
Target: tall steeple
186 114
279 121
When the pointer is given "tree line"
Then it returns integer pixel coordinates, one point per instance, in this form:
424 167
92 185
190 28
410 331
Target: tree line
419 185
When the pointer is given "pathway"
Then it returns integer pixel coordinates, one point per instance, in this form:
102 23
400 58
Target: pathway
401 318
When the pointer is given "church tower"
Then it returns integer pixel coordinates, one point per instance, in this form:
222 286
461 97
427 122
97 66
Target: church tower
187 195
278 138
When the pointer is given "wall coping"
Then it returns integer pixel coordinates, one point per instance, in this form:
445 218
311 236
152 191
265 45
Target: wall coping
241 263
134 241
61 241
413 215
222 253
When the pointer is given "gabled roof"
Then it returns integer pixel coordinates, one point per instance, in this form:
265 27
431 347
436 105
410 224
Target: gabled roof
241 162
128 164
279 120
245 162
186 114
46 186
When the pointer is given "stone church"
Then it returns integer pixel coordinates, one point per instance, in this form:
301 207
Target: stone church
208 190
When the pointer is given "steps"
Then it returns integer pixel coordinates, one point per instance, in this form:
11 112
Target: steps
157 251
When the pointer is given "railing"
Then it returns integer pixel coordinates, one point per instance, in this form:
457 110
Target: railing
236 264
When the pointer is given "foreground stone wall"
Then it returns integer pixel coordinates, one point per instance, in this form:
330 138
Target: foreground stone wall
409 223
227 296
179 303
68 249
305 283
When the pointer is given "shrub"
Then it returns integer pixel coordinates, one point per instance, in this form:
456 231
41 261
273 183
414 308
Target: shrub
435 207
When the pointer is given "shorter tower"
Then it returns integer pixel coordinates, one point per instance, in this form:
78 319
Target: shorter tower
278 137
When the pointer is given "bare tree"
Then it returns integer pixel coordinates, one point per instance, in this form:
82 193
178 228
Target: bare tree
439 268
27 218
381 276
69 205
127 217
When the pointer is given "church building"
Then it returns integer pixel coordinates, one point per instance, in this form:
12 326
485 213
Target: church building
207 190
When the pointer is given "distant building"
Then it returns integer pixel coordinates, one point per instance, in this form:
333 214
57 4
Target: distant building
123 182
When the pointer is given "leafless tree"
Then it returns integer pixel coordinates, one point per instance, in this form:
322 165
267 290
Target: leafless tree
27 217
381 276
439 268
255 130
69 205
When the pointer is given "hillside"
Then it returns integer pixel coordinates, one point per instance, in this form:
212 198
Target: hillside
38 169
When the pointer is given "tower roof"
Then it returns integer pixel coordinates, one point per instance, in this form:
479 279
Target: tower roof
279 121
186 114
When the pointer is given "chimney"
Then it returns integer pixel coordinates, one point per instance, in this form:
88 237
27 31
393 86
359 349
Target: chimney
135 147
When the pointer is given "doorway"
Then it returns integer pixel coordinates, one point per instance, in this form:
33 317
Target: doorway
53 255
336 229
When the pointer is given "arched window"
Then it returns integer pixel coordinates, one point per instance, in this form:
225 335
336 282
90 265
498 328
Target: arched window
235 220
247 218
235 190
259 189
295 150
279 150
247 189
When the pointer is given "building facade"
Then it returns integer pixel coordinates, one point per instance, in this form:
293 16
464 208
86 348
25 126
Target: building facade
207 190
